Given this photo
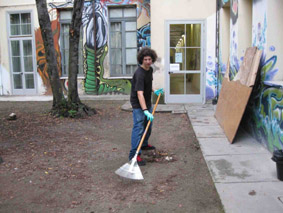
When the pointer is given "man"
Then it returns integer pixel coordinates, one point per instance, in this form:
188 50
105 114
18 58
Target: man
141 101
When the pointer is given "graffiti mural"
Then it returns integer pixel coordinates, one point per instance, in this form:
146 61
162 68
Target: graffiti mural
96 72
95 82
211 79
40 53
144 36
265 109
234 11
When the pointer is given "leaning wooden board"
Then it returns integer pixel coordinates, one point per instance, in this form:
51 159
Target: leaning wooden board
234 95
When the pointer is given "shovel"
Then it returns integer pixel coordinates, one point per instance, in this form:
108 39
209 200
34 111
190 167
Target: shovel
131 169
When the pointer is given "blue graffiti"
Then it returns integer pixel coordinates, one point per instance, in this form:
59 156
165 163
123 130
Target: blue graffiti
211 79
143 35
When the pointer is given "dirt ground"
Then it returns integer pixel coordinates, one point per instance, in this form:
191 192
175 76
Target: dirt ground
67 165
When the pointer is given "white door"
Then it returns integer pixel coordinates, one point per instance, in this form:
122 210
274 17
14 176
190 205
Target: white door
22 64
184 62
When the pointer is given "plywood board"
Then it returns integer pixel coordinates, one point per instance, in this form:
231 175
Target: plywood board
231 106
234 95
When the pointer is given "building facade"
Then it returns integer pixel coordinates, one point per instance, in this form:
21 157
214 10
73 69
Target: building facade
195 41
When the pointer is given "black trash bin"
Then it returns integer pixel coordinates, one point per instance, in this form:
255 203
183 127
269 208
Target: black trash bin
278 158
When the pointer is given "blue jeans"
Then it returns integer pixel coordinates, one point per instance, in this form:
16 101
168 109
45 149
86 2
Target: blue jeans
139 124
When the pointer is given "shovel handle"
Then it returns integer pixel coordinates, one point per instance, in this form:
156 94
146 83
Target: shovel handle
148 124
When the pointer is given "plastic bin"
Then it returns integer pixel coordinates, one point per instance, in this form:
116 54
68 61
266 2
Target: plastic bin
278 158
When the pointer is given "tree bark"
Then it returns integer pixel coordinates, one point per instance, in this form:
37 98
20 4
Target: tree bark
74 36
50 53
74 101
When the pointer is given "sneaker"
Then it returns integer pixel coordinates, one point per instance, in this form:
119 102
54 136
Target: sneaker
148 147
140 161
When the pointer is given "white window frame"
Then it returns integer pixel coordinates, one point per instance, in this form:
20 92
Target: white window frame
24 90
122 20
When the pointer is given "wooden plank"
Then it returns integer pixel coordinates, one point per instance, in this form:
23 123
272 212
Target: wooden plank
234 95
254 69
231 106
245 68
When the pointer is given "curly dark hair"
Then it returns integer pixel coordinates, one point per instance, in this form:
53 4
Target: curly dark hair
146 51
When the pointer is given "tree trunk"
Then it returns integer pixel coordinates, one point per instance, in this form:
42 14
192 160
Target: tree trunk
59 101
74 101
74 35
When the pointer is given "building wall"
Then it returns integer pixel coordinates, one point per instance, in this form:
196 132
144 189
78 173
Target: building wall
183 10
264 113
94 82
265 109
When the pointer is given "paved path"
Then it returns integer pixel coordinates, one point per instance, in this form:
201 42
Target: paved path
243 172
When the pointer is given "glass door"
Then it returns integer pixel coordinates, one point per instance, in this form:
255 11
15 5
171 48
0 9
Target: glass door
184 62
22 64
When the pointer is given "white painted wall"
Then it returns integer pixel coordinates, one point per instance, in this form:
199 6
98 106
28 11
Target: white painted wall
245 26
5 7
5 74
173 10
275 34
225 33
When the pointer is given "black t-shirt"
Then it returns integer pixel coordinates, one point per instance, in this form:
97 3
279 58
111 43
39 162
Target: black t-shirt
142 81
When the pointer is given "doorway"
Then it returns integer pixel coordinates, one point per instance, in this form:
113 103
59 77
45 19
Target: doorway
184 62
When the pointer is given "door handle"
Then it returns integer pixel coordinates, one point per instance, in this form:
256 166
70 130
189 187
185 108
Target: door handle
170 72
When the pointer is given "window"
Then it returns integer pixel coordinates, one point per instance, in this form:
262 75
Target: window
21 54
65 21
20 24
123 40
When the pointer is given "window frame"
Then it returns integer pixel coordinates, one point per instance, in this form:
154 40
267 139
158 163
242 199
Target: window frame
64 75
21 38
9 13
122 20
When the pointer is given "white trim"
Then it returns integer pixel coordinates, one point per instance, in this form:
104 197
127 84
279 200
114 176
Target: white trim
20 38
66 77
186 98
125 77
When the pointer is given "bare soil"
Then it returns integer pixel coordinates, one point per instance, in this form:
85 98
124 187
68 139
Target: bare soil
67 165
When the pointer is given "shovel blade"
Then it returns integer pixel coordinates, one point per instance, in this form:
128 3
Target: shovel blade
130 170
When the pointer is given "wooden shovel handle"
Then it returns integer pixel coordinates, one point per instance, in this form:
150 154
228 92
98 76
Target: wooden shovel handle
148 124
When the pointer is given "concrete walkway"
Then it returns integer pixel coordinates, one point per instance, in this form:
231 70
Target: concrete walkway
244 174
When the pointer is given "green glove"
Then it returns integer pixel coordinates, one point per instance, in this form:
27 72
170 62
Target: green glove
158 91
148 115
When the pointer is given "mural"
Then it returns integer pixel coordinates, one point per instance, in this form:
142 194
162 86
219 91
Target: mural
234 11
211 64
265 109
95 82
144 36
40 53
94 57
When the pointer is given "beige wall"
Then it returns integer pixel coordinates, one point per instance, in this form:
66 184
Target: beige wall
173 10
4 33
275 34
225 33
245 26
